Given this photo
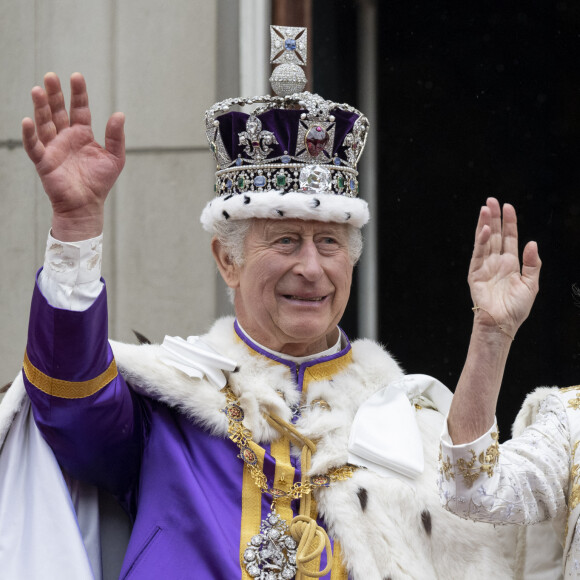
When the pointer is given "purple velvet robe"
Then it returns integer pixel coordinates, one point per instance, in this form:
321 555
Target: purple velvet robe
181 486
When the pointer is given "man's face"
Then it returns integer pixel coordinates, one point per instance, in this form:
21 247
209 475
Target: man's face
294 284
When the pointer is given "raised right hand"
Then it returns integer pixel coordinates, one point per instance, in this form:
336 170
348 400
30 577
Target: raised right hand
76 172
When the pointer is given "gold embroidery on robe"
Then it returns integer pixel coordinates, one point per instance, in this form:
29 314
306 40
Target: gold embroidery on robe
575 403
489 459
446 467
574 496
573 487
485 463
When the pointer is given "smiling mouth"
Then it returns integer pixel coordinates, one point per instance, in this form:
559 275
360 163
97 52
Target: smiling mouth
316 299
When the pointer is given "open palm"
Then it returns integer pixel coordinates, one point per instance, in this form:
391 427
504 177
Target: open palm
76 172
497 284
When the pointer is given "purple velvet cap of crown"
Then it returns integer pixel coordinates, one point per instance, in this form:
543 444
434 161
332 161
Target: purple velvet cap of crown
284 124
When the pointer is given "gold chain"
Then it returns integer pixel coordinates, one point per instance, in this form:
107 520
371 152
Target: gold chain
242 437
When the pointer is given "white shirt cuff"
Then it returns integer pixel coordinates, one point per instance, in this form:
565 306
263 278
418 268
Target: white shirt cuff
477 443
71 277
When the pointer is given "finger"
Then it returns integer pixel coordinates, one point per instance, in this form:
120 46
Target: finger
482 234
510 230
483 221
495 238
45 128
79 101
531 266
483 218
484 237
56 101
115 136
33 147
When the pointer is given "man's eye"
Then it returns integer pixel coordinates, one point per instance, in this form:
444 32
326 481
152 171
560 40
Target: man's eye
285 241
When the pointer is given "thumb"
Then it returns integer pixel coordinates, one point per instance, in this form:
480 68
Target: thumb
115 136
531 265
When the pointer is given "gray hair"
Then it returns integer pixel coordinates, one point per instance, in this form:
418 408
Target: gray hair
231 234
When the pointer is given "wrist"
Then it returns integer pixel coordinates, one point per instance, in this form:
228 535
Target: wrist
73 229
487 334
483 319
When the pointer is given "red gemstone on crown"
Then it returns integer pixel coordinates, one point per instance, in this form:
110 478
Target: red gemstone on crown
316 140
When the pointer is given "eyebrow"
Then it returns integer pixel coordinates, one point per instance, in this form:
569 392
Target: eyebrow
297 228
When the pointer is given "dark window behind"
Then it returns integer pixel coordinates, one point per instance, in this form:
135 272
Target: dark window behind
475 100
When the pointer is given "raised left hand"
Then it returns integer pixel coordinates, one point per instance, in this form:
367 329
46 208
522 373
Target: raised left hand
504 292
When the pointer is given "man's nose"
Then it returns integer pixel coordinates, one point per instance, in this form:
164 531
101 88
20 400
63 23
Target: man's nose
309 262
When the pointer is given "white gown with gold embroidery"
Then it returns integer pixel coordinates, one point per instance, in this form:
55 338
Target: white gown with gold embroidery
533 478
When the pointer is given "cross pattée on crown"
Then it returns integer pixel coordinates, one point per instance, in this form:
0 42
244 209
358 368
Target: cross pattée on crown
288 51
288 44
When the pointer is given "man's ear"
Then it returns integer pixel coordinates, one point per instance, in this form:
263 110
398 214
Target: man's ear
228 269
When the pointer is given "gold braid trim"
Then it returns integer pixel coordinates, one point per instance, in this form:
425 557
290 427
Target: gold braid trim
67 389
291 432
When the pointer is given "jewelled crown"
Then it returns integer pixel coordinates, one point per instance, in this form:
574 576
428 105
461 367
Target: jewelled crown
294 155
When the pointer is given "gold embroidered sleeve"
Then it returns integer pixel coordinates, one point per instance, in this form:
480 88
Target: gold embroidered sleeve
528 482
472 467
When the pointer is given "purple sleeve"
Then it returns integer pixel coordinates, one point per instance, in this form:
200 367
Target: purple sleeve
90 418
